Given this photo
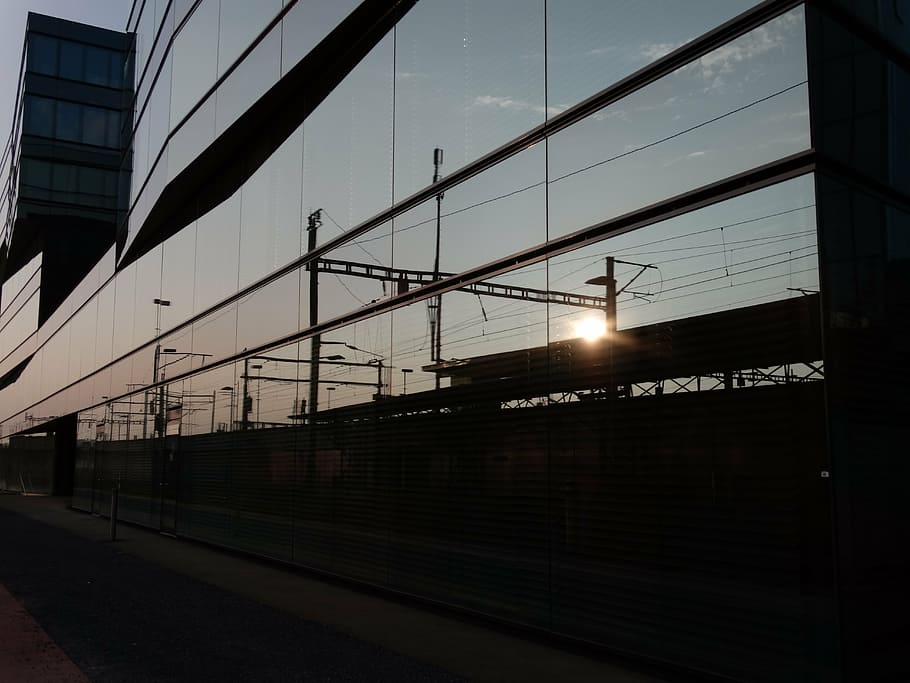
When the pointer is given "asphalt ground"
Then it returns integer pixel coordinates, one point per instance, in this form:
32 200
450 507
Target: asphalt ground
120 619
153 608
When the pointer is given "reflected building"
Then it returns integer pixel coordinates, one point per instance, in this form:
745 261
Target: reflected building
550 312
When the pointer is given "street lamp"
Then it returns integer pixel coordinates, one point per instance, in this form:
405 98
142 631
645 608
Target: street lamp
404 378
230 391
258 367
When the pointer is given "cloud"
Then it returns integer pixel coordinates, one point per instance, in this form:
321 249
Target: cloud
718 63
654 51
598 51
514 104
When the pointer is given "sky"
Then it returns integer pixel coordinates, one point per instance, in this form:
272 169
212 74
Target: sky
106 13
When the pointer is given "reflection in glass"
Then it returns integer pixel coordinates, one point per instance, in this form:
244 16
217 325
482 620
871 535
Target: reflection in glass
347 152
461 86
593 44
736 108
195 54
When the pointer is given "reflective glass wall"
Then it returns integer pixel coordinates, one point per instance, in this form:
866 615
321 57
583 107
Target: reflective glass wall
579 385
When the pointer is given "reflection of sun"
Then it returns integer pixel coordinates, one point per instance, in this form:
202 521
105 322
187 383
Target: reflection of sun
590 329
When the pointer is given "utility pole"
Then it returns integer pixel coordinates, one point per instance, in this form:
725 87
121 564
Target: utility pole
246 403
436 307
314 221
611 296
159 418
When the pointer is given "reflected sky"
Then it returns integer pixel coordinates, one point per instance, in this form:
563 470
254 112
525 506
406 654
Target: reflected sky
467 77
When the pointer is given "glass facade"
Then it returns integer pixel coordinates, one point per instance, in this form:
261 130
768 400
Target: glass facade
581 384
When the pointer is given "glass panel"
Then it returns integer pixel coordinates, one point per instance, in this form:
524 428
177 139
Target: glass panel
124 310
69 121
177 277
306 24
195 54
472 470
97 65
460 86
191 138
352 276
215 335
250 80
592 44
217 254
270 231
756 248
103 345
504 209
158 113
42 54
624 156
269 313
348 144
148 288
39 116
71 60
94 131
240 23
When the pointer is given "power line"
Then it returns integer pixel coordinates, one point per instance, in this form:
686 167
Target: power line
594 165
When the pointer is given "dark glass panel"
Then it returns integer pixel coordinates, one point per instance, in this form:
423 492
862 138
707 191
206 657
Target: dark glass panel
42 54
72 60
69 121
39 116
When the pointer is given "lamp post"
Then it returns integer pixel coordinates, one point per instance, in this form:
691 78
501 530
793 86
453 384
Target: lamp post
436 307
258 390
329 397
159 303
230 392
404 378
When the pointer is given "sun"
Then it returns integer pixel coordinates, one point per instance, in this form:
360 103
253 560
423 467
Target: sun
590 329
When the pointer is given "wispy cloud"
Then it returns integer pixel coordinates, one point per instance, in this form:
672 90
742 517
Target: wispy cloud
514 104
598 51
717 64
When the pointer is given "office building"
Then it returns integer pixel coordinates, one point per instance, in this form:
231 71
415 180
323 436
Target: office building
583 316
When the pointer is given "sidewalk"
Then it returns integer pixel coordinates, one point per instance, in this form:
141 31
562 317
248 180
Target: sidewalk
425 644
27 654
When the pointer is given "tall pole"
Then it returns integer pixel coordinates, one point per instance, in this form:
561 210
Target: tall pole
436 320
610 309
314 220
244 410
213 412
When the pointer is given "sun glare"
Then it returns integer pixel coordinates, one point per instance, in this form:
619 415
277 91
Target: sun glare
590 329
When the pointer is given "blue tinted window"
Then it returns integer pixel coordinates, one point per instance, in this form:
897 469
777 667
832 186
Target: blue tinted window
39 116
69 121
71 60
42 55
94 130
97 66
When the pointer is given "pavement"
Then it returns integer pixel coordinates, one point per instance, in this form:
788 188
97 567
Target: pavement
148 607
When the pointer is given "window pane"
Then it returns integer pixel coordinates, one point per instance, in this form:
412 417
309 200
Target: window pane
195 53
97 65
42 54
240 22
94 131
71 60
591 44
460 86
39 116
738 107
69 121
